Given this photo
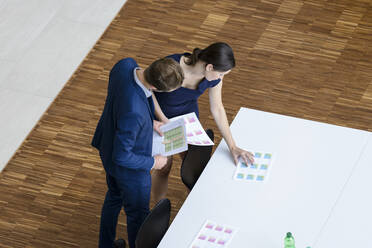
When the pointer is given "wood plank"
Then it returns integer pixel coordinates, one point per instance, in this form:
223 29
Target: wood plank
310 59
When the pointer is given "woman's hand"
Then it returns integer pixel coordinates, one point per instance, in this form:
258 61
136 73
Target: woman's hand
246 156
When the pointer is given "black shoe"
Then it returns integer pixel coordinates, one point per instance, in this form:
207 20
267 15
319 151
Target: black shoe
119 243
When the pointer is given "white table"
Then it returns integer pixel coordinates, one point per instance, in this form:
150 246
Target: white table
350 223
311 169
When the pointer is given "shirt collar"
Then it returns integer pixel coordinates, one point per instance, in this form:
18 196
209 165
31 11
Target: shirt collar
148 92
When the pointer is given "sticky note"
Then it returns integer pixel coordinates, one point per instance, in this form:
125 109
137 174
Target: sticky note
243 165
221 242
240 176
257 155
250 177
267 156
198 132
260 178
253 166
212 239
202 237
209 226
218 228
191 119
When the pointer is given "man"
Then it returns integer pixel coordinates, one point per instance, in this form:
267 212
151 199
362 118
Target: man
124 140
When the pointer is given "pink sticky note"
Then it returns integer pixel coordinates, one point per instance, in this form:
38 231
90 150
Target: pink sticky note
228 230
198 132
209 226
189 135
191 119
202 237
206 142
218 228
221 242
212 239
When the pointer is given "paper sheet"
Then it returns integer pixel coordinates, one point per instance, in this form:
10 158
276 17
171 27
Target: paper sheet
213 235
256 172
195 133
173 141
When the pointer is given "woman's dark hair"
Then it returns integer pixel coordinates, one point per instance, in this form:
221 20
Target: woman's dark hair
219 54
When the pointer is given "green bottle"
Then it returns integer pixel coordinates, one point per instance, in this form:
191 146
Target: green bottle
289 241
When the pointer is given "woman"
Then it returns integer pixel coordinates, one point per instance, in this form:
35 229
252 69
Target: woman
203 69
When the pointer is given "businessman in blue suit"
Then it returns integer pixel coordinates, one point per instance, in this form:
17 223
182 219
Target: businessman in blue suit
124 139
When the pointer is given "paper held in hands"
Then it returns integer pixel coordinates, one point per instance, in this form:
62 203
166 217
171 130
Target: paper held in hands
195 133
172 142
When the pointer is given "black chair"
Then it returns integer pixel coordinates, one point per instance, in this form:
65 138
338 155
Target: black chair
154 226
194 162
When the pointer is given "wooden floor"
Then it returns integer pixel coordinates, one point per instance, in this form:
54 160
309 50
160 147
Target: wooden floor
309 59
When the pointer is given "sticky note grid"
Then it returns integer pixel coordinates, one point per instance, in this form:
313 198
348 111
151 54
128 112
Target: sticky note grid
213 235
256 172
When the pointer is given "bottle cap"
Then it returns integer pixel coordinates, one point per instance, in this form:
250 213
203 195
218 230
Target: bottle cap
289 234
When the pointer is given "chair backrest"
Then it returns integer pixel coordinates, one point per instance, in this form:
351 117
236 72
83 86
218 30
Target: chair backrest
194 162
154 226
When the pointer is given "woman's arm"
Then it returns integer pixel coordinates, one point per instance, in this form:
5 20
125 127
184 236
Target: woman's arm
158 112
219 115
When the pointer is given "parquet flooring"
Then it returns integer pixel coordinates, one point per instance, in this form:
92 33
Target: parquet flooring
310 59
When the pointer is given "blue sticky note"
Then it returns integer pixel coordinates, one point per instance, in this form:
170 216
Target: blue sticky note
240 176
243 165
250 177
260 178
257 155
267 156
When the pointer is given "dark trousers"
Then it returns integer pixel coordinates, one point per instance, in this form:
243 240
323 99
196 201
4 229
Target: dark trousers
131 191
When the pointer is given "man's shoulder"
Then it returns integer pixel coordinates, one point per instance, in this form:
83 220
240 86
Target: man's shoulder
125 64
122 73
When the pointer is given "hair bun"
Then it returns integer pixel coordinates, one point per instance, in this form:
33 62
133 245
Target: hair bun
194 57
196 52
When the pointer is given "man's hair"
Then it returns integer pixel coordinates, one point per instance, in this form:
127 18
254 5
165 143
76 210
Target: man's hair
164 74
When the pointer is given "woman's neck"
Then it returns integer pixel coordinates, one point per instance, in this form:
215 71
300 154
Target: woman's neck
193 71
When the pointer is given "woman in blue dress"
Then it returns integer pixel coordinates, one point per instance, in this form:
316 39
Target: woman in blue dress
203 69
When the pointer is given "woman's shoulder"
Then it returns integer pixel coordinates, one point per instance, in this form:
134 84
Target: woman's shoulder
208 84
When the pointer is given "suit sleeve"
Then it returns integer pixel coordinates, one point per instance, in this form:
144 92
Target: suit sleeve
128 127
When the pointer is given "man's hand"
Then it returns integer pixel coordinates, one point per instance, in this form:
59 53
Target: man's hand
157 125
160 162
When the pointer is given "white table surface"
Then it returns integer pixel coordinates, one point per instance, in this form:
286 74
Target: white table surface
312 164
350 223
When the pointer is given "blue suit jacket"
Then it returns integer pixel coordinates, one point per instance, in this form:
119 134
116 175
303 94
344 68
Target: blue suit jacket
124 132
